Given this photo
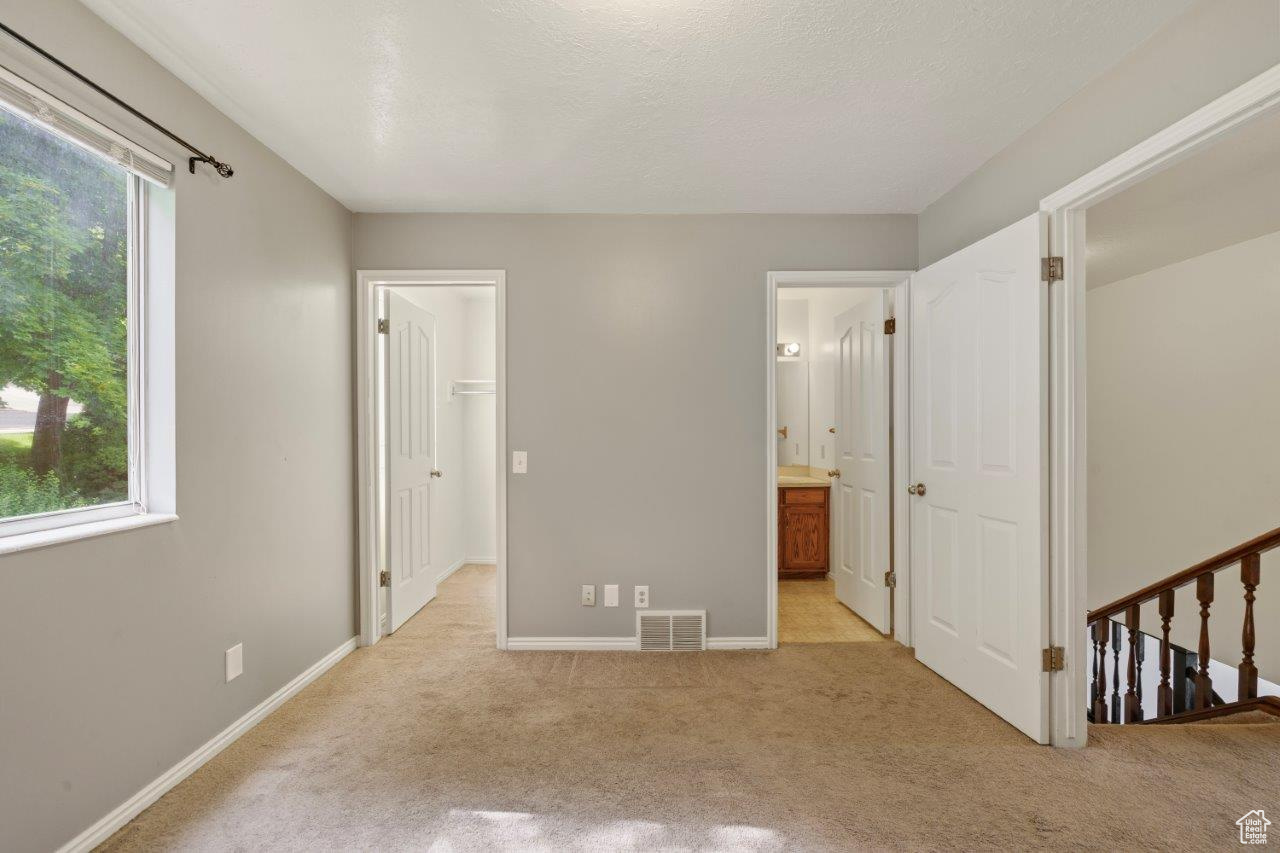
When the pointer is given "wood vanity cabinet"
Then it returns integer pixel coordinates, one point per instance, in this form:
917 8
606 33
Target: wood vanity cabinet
803 531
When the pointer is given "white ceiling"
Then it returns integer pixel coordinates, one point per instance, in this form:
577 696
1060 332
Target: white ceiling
1223 195
642 106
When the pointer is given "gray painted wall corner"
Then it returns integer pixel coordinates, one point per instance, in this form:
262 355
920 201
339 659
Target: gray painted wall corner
1196 58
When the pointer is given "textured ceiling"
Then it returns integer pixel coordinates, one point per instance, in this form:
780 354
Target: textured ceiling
666 106
1228 193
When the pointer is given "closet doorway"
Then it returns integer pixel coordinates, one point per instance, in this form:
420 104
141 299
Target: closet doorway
431 433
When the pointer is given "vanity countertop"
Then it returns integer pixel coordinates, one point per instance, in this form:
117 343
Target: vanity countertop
797 476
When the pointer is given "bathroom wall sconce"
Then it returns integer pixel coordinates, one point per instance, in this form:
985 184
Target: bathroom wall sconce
788 350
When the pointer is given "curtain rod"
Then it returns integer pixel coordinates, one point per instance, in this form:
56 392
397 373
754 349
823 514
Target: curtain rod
223 169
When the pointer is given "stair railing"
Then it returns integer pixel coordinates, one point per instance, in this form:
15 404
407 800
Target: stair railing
1248 556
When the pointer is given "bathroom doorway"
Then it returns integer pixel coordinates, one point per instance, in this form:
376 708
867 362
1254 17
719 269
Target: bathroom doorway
837 547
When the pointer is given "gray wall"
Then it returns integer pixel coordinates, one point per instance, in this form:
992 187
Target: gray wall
1205 53
636 384
111 652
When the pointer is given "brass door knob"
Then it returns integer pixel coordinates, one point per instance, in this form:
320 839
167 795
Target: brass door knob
435 473
834 472
831 430
917 489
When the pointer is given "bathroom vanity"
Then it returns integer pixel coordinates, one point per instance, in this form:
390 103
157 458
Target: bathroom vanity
803 524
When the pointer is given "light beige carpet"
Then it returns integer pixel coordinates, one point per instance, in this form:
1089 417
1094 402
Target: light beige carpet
434 740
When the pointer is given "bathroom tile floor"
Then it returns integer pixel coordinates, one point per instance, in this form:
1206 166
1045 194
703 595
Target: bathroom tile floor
808 612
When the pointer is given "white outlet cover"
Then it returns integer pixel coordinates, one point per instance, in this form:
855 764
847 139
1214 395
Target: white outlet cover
519 462
611 595
642 596
588 595
235 661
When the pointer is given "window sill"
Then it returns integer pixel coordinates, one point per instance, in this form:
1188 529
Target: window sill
72 532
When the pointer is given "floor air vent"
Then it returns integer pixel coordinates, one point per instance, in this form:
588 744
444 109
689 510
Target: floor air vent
672 630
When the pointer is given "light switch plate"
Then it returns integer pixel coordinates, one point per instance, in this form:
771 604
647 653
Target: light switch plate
235 661
642 596
588 595
611 595
519 462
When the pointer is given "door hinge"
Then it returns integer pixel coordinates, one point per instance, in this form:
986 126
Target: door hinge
384 327
891 579
1051 269
890 326
1053 659
384 578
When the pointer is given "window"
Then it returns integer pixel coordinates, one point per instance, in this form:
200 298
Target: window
72 203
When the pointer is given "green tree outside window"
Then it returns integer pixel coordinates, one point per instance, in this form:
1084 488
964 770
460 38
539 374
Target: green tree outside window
63 325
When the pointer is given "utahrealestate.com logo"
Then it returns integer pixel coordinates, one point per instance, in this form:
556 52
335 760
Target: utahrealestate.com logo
1253 827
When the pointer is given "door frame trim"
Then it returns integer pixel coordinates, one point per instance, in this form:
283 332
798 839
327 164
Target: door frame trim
900 282
367 284
1068 443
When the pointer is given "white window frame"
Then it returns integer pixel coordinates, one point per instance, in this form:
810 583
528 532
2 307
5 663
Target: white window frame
150 389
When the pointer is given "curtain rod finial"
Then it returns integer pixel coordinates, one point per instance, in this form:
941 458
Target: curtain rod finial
221 168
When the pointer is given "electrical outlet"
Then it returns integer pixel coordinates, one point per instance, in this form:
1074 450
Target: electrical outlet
235 661
611 595
519 462
588 595
642 596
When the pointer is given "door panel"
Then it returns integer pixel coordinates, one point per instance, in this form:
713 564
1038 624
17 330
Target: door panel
979 414
411 420
862 441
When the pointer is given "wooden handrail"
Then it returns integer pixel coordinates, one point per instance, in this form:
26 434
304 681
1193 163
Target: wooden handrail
1257 545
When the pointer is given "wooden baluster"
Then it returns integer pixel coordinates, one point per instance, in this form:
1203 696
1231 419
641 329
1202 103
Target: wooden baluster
1164 694
1131 707
1142 657
1250 576
1093 672
1182 676
1204 684
1100 678
1116 633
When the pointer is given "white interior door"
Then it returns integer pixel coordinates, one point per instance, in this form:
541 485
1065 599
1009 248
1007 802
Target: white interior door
411 441
862 498
978 445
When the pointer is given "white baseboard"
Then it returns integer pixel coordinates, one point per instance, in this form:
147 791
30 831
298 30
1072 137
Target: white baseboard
572 644
466 561
440 578
619 644
130 808
720 643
